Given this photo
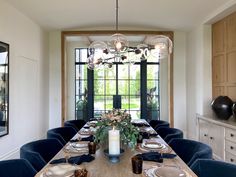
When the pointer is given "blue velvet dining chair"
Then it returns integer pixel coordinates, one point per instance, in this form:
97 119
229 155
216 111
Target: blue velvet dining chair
16 168
190 150
76 124
40 152
213 168
63 134
169 133
159 123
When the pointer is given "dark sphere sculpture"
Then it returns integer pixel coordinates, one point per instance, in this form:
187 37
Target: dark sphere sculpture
222 106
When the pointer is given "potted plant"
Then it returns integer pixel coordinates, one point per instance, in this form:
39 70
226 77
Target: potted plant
81 107
151 104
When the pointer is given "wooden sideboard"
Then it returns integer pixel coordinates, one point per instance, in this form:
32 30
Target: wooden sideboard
220 135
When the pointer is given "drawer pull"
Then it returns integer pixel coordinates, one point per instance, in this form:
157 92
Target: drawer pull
231 147
231 160
205 134
231 135
211 138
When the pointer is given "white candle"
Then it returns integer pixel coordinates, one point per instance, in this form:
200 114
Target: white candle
114 141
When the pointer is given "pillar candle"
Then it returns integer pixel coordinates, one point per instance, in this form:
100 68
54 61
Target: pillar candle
114 141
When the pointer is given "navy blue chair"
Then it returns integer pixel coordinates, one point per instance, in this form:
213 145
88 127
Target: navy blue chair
16 168
158 123
169 133
213 168
63 134
76 124
40 152
190 150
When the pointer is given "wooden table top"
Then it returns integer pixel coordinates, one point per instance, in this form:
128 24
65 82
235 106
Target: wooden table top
102 167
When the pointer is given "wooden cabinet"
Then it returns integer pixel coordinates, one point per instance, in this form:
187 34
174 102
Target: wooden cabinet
224 57
212 135
230 145
220 135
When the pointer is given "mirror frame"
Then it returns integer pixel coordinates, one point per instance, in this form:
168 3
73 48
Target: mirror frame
5 78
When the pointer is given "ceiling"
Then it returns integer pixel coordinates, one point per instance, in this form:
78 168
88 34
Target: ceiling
149 14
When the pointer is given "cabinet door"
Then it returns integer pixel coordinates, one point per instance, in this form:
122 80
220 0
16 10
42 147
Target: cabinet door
218 69
203 131
230 157
230 134
213 135
231 32
216 140
218 37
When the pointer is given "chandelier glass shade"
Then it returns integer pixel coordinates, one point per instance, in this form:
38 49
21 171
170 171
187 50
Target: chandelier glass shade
118 49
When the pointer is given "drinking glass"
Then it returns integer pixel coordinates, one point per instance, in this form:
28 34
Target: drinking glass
137 164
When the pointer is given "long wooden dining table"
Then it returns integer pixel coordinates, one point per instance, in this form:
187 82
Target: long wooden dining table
102 167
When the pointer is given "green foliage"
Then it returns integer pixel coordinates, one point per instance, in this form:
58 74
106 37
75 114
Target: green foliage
121 121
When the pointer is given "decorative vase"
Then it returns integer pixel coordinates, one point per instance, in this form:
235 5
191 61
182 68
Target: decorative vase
234 110
222 106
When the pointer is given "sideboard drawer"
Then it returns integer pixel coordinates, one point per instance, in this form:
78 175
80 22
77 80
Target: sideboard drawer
230 147
230 134
230 157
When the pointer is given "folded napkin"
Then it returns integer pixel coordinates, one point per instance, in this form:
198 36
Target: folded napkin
90 138
156 156
144 135
74 160
153 134
74 140
140 124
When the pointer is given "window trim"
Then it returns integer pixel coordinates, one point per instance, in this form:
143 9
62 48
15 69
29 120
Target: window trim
65 34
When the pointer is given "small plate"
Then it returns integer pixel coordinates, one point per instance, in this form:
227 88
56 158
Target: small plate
85 132
92 123
80 144
59 170
73 149
153 145
163 149
170 171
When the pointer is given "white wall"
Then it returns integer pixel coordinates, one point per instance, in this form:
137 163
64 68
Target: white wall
179 80
70 60
55 79
164 106
28 104
198 72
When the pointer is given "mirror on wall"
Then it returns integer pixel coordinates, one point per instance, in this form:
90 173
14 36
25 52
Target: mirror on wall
4 88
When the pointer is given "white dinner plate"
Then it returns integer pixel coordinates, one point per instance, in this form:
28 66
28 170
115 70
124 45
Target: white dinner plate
79 144
76 149
59 170
170 171
85 132
165 171
163 148
153 145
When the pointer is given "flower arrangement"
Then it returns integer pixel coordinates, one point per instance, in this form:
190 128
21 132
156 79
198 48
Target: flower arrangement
121 120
